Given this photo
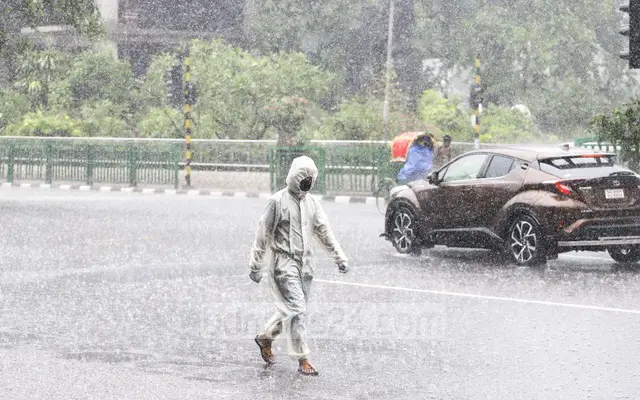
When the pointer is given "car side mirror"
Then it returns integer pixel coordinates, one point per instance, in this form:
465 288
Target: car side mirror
432 178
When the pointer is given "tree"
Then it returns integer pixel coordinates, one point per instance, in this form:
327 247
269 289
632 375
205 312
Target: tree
539 53
621 127
96 76
38 72
82 15
13 105
234 87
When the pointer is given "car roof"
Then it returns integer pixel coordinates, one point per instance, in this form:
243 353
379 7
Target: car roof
540 153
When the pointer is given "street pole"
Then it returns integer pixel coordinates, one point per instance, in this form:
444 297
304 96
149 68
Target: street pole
476 91
187 114
385 109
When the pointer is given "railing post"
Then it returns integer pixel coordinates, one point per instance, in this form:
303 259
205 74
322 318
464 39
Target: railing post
176 151
90 164
322 162
133 165
10 162
48 172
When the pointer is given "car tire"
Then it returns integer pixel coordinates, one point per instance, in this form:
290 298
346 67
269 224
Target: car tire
404 231
625 255
524 242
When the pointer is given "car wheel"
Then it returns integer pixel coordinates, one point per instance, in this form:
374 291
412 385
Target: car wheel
625 255
404 232
524 242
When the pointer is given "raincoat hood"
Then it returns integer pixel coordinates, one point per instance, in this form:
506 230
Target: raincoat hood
301 168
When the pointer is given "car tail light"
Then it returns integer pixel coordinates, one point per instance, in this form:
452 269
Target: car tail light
564 188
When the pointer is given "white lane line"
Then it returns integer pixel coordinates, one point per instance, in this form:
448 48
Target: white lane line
585 257
485 297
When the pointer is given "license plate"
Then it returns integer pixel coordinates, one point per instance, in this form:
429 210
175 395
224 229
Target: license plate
614 193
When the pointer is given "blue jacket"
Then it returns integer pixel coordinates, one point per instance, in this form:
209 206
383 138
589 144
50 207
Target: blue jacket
418 165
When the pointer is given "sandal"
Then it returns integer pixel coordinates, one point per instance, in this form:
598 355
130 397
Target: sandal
265 350
306 368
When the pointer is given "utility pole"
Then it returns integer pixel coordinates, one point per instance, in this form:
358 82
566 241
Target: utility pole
187 113
385 110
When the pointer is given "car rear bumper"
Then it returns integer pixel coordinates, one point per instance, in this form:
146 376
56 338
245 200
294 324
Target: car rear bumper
600 233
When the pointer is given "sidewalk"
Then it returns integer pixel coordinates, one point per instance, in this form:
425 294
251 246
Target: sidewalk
182 191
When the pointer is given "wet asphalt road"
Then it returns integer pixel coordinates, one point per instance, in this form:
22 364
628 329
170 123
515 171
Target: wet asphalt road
135 296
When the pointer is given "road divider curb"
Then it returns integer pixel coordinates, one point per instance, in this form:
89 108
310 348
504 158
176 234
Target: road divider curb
368 200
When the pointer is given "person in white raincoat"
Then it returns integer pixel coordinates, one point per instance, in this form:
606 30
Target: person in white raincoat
283 243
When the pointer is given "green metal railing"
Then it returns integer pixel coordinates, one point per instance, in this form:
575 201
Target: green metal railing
128 163
346 167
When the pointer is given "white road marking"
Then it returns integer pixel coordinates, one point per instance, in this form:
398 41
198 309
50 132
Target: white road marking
586 257
484 297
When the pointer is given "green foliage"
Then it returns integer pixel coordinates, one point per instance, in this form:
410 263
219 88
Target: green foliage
44 124
622 128
83 15
444 113
104 119
355 120
234 87
558 58
162 123
497 124
37 72
153 88
98 76
13 105
361 119
504 125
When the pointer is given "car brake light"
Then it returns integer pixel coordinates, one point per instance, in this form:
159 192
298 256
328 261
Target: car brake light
592 155
564 188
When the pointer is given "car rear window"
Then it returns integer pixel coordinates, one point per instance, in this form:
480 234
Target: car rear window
561 165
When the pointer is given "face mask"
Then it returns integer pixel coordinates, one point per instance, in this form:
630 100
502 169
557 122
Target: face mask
305 184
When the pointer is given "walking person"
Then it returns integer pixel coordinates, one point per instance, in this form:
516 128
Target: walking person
283 249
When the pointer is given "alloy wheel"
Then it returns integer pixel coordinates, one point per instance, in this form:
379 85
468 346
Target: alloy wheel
524 241
403 233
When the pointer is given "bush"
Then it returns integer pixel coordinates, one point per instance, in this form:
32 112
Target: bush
433 109
13 106
103 118
621 128
504 125
162 123
41 124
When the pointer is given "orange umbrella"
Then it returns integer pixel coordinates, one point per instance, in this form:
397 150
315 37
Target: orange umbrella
401 143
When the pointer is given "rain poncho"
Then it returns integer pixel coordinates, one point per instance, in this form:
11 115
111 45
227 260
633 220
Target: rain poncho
419 163
283 244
